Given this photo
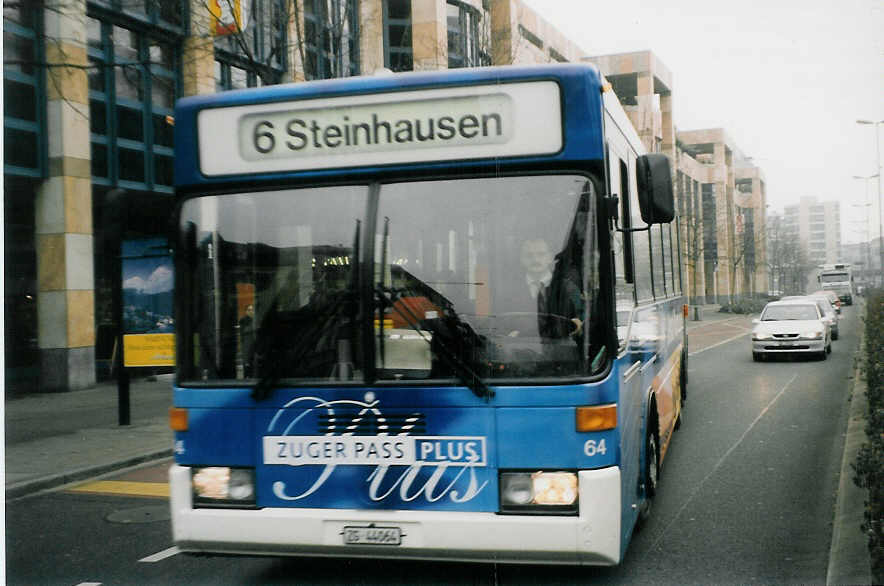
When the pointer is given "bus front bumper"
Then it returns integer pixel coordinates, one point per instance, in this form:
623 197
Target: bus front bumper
593 537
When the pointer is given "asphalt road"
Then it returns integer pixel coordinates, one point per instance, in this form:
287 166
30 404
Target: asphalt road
746 496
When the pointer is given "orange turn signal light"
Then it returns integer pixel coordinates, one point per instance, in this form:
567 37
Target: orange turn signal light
598 418
178 419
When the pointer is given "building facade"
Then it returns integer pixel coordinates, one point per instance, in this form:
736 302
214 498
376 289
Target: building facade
818 227
720 194
90 87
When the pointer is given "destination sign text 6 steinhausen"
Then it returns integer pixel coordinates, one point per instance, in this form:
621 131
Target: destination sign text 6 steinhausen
415 126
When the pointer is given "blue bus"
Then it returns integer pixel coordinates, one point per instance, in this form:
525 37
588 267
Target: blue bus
422 315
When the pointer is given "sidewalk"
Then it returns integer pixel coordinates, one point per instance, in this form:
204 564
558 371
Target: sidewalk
57 438
849 558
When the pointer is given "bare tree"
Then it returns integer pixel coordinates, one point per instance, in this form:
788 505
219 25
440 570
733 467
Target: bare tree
748 241
691 234
786 258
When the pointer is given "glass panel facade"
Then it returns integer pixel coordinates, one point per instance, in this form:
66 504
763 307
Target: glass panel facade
23 89
133 84
255 55
467 36
398 52
331 38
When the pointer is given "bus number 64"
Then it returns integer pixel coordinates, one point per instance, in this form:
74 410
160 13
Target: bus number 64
592 447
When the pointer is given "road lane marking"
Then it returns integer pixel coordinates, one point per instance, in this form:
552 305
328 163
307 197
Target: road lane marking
717 344
721 461
158 489
161 555
89 584
696 326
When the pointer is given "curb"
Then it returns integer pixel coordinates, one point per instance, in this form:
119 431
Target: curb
849 559
36 485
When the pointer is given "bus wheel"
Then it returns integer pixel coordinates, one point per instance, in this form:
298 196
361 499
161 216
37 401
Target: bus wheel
651 471
684 376
680 407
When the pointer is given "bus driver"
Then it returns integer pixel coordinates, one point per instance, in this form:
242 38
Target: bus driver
551 292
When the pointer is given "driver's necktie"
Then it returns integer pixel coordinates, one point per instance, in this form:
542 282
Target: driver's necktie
541 298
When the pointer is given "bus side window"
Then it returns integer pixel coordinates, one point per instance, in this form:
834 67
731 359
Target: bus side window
672 285
658 261
641 244
625 277
626 222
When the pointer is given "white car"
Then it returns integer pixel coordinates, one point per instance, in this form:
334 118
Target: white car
791 327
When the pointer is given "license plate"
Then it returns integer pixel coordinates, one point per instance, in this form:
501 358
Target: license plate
372 535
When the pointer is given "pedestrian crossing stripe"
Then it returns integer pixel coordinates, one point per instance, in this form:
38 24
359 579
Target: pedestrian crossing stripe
157 489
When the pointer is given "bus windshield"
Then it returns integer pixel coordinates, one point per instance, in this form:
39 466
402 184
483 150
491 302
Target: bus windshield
834 277
485 277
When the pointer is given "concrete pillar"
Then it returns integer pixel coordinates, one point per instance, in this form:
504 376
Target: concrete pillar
198 53
371 36
762 277
63 216
429 30
644 122
724 186
503 32
667 125
700 290
297 46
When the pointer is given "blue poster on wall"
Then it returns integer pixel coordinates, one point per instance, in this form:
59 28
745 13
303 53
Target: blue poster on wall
148 287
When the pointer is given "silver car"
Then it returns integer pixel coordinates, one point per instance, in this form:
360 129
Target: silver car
831 296
830 316
791 327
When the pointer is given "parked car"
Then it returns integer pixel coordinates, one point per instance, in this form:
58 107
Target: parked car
791 327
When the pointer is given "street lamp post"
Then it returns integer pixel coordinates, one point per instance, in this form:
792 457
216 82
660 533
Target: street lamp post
876 124
865 179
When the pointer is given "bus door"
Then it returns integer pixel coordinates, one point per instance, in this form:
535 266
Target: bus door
628 363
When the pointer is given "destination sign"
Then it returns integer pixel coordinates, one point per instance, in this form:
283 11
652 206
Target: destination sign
500 120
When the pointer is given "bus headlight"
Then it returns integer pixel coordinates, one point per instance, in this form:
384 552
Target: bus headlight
540 492
222 486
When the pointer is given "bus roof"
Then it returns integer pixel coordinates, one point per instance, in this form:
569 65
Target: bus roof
487 116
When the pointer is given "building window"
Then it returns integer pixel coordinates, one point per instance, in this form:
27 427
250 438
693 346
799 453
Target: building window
255 55
465 37
133 84
331 38
556 56
165 13
23 91
531 37
710 227
398 52
749 239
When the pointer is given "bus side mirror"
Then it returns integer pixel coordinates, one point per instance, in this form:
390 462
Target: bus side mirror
655 198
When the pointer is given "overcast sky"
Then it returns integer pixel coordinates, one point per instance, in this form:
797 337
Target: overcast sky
786 79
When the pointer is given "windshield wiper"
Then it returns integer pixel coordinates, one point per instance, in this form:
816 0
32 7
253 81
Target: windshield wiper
464 372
